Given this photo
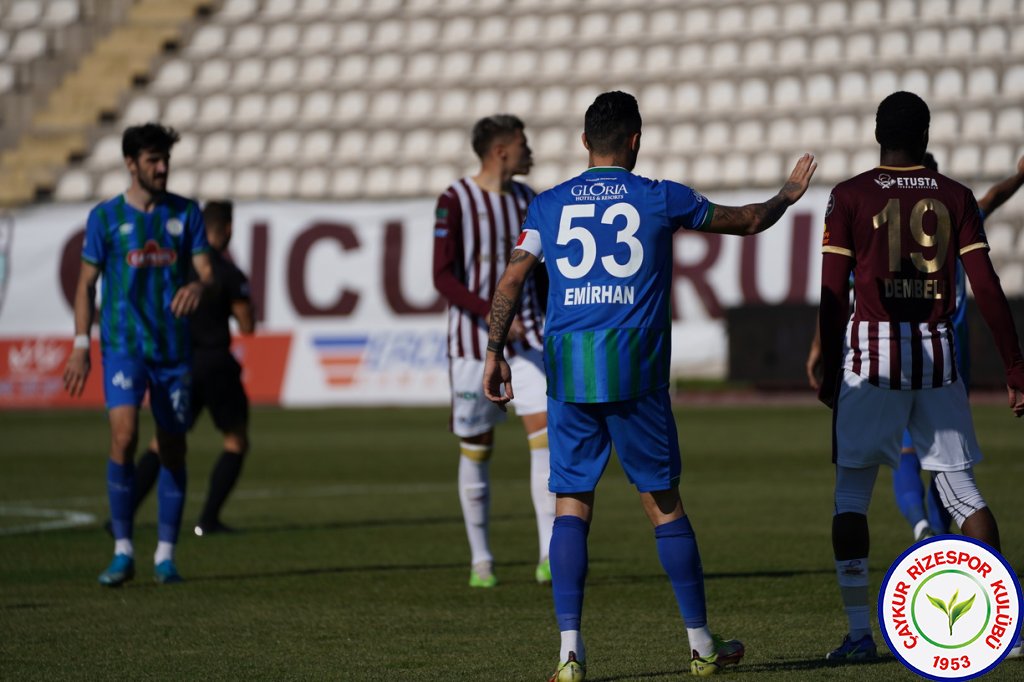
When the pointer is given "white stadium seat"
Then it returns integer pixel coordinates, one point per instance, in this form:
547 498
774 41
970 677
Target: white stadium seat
764 18
758 52
451 144
977 124
826 50
281 39
900 11
928 43
731 19
185 152
630 24
317 70
216 149
866 13
182 181
314 183
999 160
788 92
944 126
683 138
214 184
736 169
421 31
860 47
862 160
24 13
380 182
107 153
247 74
284 147
410 181
792 51
664 22
384 146
283 108
351 106
353 35
716 135
29 44
1013 81
60 13
74 185
208 39
782 132
553 100
486 101
591 61
386 104
1009 123
279 9
959 41
893 46
141 109
852 87
418 145
282 72
347 183
749 134
280 183
180 111
883 83
236 10
116 181
813 132
697 22
705 171
350 145
213 74
318 37
1000 9
948 84
797 16
767 168
248 184
250 109
7 77
314 9
721 95
215 111
820 89
968 9
934 10
966 161
725 54
250 146
831 14
1001 237
246 39
520 99
992 41
833 166
626 61
317 107
982 82
917 81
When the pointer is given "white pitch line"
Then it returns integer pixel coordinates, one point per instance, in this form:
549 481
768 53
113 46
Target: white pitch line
61 518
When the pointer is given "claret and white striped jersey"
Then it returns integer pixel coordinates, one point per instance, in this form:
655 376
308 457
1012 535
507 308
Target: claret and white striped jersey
904 229
474 233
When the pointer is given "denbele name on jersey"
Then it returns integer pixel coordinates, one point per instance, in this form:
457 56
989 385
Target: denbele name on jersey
600 293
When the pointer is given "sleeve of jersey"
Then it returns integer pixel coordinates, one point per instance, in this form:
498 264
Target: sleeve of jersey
838 236
447 246
197 229
239 286
686 207
529 238
971 236
94 248
991 302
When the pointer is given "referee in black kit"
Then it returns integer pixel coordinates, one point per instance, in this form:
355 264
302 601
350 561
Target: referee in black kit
216 375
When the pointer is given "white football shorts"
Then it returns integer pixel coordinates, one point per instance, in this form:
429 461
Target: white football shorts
869 421
473 413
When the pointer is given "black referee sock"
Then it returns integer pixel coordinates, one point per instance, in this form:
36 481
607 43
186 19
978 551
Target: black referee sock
222 481
147 468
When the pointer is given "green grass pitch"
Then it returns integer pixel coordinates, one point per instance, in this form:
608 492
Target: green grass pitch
352 561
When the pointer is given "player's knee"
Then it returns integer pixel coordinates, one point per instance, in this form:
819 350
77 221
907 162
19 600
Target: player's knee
123 443
237 443
172 449
478 452
959 494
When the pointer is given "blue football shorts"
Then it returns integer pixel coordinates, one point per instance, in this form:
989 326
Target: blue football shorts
643 431
125 381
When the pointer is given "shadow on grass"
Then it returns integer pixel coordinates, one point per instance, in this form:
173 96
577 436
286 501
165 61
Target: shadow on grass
756 668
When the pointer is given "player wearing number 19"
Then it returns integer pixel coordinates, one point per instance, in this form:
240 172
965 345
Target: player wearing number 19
605 237
900 228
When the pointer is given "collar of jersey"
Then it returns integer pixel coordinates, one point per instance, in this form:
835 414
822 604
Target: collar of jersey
900 168
606 168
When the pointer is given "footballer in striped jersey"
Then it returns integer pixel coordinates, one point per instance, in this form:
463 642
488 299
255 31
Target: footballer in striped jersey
141 244
605 238
900 229
477 223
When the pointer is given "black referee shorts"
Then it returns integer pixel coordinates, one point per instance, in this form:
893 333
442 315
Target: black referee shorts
217 386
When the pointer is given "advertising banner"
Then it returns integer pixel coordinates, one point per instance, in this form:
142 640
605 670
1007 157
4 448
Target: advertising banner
346 308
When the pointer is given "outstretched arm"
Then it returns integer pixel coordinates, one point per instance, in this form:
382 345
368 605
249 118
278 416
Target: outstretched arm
991 300
1001 191
754 218
832 316
503 311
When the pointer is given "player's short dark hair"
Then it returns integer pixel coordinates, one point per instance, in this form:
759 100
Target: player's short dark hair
611 120
149 136
218 214
929 162
487 130
901 121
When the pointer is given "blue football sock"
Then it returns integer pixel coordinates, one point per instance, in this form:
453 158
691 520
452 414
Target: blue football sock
121 494
906 484
170 492
568 555
938 516
677 549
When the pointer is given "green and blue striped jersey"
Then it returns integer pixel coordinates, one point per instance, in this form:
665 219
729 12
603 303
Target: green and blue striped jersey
144 258
606 239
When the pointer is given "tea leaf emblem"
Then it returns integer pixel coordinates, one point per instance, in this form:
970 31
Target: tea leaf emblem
953 611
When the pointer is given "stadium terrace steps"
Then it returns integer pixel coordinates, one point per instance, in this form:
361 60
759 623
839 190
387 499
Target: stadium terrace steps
95 89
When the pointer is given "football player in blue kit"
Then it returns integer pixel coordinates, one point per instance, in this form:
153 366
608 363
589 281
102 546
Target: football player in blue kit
605 238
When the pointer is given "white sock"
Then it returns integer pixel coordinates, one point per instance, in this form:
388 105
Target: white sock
475 496
124 546
572 640
853 587
921 527
701 641
164 552
543 499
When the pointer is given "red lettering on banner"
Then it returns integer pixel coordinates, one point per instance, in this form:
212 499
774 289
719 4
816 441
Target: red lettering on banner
697 274
258 270
394 248
346 302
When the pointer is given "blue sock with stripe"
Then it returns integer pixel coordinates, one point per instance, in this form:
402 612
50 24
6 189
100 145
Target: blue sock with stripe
170 493
677 549
121 494
568 555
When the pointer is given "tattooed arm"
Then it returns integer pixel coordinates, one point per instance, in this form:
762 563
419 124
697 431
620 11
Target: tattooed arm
503 311
754 218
